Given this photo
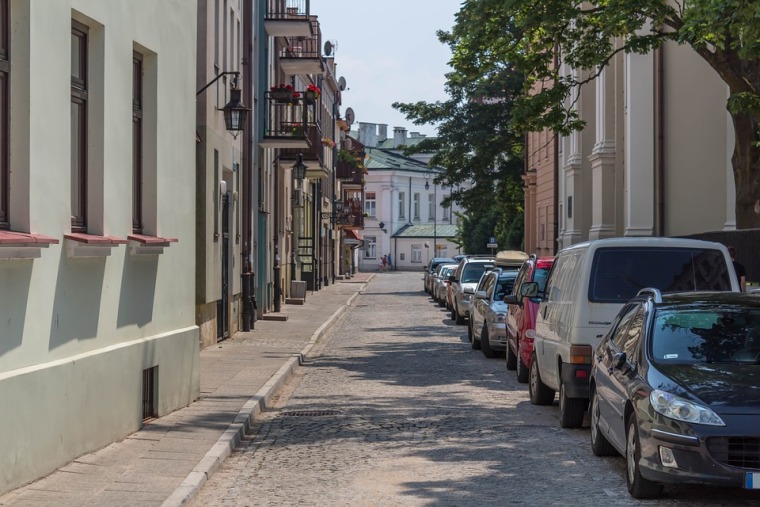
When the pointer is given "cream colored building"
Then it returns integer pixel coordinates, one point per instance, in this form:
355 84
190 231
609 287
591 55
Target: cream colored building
654 158
97 230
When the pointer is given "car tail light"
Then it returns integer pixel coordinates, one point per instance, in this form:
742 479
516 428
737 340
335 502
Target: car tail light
530 333
580 354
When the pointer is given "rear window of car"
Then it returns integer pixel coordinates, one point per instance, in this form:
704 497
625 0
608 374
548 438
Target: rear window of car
472 272
707 335
617 274
539 276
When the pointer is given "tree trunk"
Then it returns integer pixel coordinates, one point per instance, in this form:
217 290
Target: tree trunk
746 166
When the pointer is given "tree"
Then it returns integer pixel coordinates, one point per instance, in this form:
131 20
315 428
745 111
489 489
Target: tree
586 35
476 142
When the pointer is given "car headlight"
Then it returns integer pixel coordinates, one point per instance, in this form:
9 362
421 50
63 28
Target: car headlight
499 317
466 297
677 408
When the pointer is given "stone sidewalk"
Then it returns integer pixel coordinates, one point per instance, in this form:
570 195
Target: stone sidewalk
170 459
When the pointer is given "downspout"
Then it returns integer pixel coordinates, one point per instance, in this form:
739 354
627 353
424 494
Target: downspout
556 174
659 143
248 302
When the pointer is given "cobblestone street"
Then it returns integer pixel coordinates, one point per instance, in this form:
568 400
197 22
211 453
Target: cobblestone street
395 408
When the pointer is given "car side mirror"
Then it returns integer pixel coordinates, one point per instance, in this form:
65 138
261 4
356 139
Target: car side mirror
481 294
529 290
452 279
511 299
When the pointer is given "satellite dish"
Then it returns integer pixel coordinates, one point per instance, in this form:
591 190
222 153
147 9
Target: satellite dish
328 48
342 83
350 116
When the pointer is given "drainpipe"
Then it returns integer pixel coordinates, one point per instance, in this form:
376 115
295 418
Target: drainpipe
659 143
556 175
276 238
247 167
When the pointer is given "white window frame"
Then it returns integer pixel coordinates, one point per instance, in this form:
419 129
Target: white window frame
446 210
371 252
416 206
416 254
431 208
370 204
401 205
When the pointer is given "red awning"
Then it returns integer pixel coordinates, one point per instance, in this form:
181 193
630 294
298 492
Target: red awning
350 233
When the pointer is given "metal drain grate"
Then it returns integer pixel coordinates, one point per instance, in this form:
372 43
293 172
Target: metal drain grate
308 413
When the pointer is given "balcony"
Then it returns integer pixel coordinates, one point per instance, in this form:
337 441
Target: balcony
348 174
352 215
288 18
303 54
313 153
286 122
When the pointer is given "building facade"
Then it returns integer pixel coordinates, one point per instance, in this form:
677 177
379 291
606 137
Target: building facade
97 233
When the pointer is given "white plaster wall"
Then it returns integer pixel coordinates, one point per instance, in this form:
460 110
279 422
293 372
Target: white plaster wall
77 333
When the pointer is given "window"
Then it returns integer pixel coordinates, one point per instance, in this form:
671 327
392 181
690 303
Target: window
442 250
371 252
4 79
431 207
416 205
137 143
416 253
401 205
78 127
446 211
370 204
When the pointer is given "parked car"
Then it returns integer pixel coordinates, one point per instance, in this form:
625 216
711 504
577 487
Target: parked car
674 389
521 316
442 283
587 285
430 269
488 312
463 283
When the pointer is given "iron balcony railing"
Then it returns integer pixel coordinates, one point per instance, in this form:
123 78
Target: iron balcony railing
315 150
309 47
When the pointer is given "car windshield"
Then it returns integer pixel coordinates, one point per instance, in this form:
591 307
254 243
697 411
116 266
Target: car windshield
472 272
540 277
617 274
503 288
706 335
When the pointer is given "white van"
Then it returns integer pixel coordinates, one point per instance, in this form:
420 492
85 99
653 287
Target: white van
586 288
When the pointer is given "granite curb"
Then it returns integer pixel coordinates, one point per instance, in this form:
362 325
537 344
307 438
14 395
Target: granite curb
226 443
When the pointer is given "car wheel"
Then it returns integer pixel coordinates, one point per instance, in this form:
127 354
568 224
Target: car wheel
485 345
599 443
469 331
511 358
458 318
441 302
453 314
638 486
571 410
539 393
522 372
475 342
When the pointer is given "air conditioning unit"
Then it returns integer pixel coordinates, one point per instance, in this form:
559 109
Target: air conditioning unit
297 198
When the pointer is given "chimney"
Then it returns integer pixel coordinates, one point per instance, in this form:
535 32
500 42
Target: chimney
415 135
399 136
367 134
382 133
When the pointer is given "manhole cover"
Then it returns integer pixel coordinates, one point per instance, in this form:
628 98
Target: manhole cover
308 413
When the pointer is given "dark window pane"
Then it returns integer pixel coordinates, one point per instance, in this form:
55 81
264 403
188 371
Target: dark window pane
4 183
137 175
75 52
75 163
619 273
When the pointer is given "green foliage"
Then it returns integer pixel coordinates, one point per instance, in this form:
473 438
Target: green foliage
476 141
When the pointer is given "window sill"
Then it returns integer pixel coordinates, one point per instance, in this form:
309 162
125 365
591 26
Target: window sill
79 244
142 244
22 245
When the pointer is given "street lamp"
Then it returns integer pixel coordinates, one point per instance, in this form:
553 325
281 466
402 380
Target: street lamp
299 169
235 112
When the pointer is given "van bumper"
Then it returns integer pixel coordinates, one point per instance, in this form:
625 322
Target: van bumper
575 379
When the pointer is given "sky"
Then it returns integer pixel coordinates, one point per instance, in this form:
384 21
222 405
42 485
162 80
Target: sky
387 51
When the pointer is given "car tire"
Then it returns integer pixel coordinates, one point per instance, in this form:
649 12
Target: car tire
485 345
522 372
571 410
475 342
442 302
458 318
511 358
540 393
599 443
469 332
453 314
638 486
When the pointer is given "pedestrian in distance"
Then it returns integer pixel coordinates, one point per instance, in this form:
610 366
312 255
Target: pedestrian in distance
390 263
384 265
741 272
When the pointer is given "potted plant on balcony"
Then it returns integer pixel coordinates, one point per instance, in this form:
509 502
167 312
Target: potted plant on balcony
348 157
283 93
326 141
312 94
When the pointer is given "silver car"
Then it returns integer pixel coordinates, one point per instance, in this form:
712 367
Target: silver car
440 285
487 328
463 283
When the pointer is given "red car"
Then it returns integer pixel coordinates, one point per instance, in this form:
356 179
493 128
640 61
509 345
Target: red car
521 316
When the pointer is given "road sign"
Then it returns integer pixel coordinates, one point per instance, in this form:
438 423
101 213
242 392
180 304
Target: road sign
491 243
492 239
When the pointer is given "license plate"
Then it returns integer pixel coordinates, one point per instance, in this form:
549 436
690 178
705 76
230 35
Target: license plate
752 480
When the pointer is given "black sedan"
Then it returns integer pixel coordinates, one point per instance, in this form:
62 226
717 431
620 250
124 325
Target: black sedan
675 388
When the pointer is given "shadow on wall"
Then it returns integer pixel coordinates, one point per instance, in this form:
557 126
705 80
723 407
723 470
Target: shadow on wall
15 279
78 296
138 290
